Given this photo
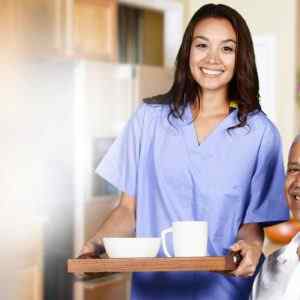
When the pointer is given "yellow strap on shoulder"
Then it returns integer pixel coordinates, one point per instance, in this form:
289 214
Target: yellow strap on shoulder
233 104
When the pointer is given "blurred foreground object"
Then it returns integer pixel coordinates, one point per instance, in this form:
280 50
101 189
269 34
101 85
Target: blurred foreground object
21 258
283 233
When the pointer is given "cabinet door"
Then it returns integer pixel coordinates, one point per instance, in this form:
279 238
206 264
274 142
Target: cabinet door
111 287
95 29
28 282
7 39
27 28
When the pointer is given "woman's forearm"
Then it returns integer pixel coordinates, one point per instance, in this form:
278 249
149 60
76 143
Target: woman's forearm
120 223
251 233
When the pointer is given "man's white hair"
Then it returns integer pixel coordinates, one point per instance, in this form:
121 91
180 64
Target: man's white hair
296 139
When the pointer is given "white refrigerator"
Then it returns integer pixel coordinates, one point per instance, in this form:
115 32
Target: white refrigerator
105 97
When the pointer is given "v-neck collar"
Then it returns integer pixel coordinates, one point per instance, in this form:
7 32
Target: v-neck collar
190 130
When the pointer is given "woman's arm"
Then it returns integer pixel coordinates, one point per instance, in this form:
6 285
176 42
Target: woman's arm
121 222
249 242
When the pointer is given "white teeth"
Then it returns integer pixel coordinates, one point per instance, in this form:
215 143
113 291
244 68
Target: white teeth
211 72
297 197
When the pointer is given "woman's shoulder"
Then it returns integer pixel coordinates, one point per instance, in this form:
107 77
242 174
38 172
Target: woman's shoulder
261 122
160 100
155 105
147 111
263 130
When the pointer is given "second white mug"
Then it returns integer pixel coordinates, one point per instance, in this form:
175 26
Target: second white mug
189 238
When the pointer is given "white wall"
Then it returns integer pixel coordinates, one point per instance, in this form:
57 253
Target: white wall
279 19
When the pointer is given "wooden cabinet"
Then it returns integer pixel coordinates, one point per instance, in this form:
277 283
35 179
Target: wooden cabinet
112 287
86 29
33 29
95 29
31 283
29 269
27 28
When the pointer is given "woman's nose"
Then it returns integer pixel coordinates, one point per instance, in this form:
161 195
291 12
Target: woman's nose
213 56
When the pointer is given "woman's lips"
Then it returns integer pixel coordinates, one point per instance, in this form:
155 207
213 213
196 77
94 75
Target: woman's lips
211 72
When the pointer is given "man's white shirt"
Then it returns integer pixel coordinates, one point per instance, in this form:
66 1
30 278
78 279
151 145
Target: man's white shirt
279 278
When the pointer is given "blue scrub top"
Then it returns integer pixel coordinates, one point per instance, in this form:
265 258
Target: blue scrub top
231 178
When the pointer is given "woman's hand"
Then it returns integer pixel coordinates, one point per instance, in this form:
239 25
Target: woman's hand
91 249
249 244
87 249
251 253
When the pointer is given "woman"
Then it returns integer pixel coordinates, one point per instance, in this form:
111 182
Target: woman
189 155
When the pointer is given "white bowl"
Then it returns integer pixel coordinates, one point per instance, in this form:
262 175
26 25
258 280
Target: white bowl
131 247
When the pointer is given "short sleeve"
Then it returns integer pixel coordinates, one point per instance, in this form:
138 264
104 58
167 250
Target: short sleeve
120 164
267 203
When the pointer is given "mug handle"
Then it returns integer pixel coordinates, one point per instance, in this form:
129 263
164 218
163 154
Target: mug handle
164 243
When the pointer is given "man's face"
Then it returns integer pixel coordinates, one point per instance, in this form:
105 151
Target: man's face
292 182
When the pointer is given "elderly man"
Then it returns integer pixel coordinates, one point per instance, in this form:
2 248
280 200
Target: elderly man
279 277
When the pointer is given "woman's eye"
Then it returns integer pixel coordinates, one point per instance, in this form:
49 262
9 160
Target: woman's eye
228 49
201 46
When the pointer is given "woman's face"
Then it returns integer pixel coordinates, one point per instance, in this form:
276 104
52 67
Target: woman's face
213 53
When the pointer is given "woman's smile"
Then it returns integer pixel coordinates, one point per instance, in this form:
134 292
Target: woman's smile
209 72
213 53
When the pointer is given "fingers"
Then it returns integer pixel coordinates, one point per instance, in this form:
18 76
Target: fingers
88 255
236 247
250 253
246 268
92 249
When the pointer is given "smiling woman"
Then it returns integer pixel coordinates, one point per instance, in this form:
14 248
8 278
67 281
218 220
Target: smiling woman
188 155
213 54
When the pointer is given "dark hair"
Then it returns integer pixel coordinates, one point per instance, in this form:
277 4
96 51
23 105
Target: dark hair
243 87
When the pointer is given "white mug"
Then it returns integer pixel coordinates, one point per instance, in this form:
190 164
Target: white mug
189 238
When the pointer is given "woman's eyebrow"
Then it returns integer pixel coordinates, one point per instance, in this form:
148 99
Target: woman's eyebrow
201 37
229 40
207 39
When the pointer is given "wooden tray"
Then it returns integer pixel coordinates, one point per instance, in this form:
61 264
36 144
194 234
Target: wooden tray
207 263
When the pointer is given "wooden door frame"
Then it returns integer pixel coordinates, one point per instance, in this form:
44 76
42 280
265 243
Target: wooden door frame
173 23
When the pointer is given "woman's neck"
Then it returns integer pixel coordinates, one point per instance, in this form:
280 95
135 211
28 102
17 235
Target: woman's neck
212 103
